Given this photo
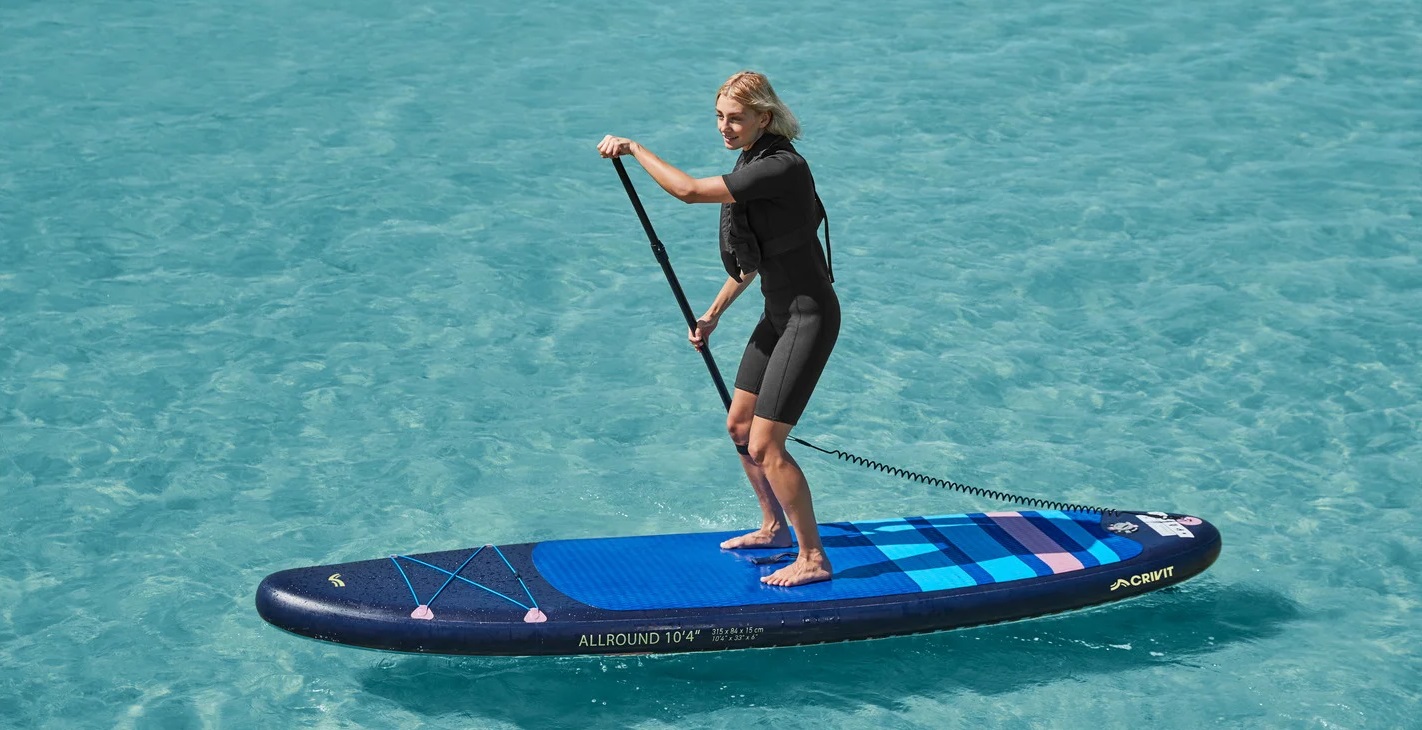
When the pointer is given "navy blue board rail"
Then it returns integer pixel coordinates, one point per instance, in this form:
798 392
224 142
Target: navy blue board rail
674 593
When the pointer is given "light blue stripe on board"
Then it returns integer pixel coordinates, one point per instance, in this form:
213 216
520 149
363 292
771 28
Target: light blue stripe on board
921 560
985 550
1007 568
1103 553
941 579
931 577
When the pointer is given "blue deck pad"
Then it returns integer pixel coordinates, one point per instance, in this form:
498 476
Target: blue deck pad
872 558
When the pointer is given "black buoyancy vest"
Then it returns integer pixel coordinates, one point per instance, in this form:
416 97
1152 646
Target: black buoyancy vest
741 249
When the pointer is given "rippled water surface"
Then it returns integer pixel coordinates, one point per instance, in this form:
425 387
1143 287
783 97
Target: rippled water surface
294 283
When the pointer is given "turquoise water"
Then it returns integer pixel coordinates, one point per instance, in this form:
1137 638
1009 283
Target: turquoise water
285 284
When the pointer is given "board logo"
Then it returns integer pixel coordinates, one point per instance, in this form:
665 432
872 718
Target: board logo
336 580
1136 581
1123 528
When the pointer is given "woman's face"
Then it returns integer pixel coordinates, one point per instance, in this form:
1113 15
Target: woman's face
740 126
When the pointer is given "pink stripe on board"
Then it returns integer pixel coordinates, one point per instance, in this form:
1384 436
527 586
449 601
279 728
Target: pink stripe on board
1045 548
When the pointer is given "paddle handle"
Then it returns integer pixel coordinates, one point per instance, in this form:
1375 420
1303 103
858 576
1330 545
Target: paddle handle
660 252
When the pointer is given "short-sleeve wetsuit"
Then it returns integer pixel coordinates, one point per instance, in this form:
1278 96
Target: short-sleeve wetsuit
788 349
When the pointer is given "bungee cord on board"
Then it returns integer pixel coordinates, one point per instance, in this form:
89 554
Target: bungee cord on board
660 252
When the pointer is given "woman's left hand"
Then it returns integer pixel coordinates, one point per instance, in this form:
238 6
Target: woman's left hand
702 333
611 146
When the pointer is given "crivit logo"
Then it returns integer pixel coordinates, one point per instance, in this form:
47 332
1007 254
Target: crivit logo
1136 581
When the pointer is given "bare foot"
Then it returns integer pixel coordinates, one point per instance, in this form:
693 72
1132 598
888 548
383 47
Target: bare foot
762 538
806 569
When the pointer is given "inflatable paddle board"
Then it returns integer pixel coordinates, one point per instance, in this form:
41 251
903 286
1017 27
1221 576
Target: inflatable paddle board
677 593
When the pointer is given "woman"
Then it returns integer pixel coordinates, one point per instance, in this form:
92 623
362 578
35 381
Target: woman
770 218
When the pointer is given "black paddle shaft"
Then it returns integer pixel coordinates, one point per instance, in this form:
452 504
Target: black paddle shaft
661 253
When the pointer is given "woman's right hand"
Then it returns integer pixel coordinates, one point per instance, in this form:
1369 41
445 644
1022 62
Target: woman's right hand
702 333
613 146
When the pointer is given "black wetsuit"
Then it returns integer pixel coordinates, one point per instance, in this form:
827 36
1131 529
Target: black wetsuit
772 228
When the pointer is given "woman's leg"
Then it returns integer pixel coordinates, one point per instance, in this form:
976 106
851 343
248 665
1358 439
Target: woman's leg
773 530
792 492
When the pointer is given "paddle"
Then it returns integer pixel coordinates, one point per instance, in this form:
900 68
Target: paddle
661 253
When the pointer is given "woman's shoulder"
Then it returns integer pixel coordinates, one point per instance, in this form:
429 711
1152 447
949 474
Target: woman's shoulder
781 161
788 154
772 174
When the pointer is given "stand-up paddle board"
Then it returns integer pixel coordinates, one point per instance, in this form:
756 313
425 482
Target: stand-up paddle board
674 593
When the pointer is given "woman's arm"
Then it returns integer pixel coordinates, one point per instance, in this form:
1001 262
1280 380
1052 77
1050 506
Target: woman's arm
680 185
729 291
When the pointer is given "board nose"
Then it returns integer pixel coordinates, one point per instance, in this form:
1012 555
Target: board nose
280 599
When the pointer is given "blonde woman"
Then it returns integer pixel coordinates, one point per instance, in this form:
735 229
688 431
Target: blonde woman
770 218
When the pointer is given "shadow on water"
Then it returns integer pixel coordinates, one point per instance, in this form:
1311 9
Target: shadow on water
1174 626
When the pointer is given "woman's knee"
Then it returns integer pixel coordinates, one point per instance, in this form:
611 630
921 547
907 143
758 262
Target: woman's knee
739 431
765 451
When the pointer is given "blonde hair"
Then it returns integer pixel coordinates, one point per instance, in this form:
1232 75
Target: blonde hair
753 90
